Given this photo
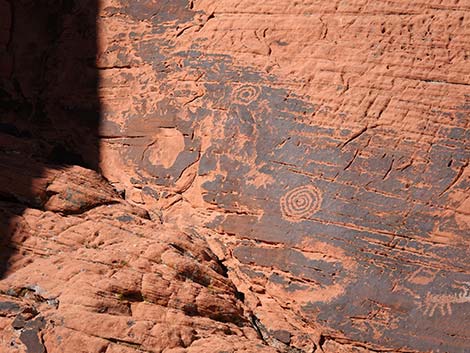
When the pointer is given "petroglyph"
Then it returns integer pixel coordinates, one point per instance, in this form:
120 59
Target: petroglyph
246 94
300 203
443 302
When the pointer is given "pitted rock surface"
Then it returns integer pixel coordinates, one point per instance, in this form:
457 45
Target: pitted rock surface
283 175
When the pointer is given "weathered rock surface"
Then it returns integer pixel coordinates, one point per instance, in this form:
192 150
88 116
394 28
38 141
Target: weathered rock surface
108 279
290 176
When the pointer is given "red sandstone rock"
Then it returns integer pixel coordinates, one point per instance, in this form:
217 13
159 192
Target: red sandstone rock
109 279
276 176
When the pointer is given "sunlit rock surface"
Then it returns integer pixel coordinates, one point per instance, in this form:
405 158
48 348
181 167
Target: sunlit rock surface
235 176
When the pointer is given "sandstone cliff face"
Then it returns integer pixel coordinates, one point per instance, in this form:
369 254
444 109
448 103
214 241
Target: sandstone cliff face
276 176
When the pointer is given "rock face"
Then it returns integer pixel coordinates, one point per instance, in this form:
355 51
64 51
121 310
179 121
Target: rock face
110 279
275 176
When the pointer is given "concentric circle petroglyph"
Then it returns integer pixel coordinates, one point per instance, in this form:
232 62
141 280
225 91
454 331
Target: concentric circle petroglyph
300 203
246 94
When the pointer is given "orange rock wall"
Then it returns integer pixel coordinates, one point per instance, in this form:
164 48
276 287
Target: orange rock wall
283 175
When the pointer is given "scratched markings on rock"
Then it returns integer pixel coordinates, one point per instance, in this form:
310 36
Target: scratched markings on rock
442 303
375 167
300 203
325 145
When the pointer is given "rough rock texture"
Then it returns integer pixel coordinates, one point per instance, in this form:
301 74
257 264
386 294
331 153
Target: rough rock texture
94 274
304 164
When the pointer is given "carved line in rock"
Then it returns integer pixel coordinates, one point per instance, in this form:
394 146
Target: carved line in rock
300 203
443 302
246 94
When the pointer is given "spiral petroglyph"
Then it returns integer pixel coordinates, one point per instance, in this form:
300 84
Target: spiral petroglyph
246 94
300 203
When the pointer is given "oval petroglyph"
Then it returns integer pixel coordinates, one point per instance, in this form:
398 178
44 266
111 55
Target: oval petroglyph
300 203
246 94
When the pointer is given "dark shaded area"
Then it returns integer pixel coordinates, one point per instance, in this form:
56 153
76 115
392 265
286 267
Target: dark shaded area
49 106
